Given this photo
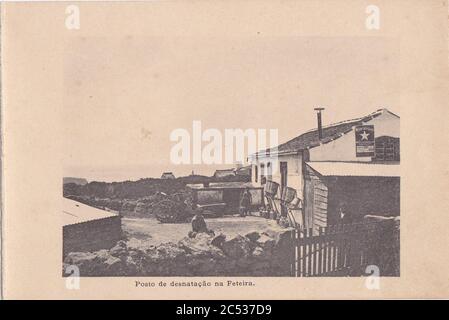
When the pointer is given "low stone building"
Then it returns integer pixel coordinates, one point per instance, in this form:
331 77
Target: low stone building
86 228
223 173
243 171
226 194
168 176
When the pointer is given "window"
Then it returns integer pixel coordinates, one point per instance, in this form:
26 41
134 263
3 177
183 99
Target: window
256 173
284 173
269 171
263 179
387 149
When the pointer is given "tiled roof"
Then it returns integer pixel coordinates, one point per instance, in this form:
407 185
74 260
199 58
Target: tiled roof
331 132
222 185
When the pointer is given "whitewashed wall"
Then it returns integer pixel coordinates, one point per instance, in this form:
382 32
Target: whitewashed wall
294 171
343 149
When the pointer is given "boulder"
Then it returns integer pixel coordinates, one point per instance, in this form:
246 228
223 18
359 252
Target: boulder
132 267
102 255
136 254
258 252
169 250
192 234
253 235
218 241
237 247
79 258
283 222
200 246
114 266
66 271
163 260
120 250
89 263
266 243
280 235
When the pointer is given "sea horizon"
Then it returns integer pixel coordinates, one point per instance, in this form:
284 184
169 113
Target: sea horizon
137 172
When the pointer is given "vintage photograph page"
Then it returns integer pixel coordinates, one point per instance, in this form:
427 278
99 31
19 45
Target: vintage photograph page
224 149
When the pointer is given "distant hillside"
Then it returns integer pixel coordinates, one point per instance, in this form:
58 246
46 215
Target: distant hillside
137 198
78 181
140 188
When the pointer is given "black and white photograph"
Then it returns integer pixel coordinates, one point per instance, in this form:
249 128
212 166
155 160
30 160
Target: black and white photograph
275 168
224 150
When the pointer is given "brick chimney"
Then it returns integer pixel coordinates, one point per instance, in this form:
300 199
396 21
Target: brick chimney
320 125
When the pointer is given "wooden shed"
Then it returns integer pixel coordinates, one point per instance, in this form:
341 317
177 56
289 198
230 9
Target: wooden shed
226 193
335 189
86 228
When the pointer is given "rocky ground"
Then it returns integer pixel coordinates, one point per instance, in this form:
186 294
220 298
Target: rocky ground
149 231
198 254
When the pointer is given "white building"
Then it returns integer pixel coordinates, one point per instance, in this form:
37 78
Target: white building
369 140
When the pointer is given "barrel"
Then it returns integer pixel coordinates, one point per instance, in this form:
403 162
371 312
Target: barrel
271 187
295 203
288 194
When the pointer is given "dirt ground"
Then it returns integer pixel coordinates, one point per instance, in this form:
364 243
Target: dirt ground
145 232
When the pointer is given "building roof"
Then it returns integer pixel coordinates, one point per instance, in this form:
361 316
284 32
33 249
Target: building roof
168 175
330 132
75 212
222 185
243 170
79 181
355 169
224 172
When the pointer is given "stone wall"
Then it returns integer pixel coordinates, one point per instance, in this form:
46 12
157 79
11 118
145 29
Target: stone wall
199 254
92 235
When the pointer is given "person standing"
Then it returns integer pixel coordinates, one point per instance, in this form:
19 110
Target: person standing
345 215
245 203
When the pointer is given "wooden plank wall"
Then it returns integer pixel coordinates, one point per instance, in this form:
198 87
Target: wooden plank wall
316 202
339 250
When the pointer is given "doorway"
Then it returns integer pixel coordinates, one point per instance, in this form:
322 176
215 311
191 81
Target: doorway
284 173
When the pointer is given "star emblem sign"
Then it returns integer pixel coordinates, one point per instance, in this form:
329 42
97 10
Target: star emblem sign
364 135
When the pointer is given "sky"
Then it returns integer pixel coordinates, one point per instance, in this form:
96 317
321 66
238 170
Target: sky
124 95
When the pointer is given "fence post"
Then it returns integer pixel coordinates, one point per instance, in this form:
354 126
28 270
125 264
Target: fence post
320 251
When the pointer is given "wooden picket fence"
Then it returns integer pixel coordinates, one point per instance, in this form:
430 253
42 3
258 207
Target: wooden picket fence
345 250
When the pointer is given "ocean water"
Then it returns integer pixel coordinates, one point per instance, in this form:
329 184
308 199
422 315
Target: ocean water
136 172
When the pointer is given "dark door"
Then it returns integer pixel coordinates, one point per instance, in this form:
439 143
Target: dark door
232 199
283 168
284 172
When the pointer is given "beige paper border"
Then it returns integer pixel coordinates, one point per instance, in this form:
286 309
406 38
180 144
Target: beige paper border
33 36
